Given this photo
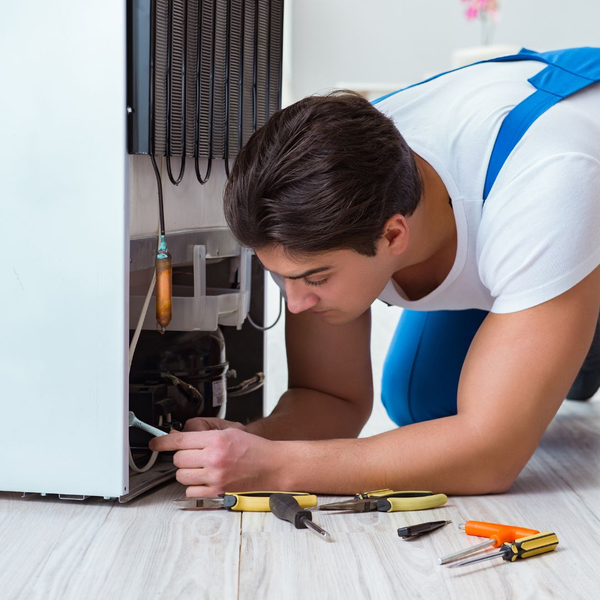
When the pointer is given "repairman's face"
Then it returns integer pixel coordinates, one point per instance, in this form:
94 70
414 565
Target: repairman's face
338 286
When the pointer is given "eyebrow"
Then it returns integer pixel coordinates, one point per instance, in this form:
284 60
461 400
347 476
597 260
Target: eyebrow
302 275
307 273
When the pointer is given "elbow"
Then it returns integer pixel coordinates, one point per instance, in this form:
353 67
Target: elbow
495 462
487 481
496 475
500 486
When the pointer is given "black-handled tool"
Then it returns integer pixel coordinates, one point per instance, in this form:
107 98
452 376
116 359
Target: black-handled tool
286 508
412 531
532 545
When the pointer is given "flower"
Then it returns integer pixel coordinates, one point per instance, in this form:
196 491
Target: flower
487 13
482 9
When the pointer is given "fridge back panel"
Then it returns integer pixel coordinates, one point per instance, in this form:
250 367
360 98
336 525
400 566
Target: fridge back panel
202 75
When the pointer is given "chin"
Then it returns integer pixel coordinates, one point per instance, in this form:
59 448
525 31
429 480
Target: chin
337 317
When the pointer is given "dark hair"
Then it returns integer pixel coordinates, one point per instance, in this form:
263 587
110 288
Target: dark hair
322 174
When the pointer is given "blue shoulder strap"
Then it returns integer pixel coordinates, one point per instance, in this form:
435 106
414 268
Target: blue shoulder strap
567 72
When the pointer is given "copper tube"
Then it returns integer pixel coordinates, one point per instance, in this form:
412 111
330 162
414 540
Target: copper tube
164 290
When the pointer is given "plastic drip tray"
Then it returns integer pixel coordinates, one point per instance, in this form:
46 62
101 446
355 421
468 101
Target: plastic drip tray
187 291
220 306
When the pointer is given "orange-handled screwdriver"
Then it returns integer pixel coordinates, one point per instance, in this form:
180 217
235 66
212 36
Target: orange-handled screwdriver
497 533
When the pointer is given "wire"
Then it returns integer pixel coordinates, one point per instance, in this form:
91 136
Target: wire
151 461
132 347
276 320
161 208
247 386
141 320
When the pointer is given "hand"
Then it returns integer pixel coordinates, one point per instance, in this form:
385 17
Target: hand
210 423
212 462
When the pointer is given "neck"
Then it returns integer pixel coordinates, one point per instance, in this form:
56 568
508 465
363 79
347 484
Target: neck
432 248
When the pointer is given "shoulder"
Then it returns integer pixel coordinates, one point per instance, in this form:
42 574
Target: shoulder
539 232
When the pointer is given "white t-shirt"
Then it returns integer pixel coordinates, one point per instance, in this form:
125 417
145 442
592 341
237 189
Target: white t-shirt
538 234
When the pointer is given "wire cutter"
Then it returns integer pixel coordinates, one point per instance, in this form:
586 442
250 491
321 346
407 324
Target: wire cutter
388 501
244 501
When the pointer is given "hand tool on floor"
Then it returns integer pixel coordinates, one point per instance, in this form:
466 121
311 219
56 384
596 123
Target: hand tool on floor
245 501
287 508
376 493
412 531
135 422
518 550
497 533
388 501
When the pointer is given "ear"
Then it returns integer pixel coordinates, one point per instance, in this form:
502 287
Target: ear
396 234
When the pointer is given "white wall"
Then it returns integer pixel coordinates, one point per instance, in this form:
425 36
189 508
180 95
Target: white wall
401 40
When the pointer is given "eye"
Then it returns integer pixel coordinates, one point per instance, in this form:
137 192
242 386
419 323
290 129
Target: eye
320 282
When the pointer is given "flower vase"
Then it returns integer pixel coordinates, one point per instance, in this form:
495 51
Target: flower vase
466 56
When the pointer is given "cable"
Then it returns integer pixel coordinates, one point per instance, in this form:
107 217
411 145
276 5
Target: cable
161 208
247 386
276 320
133 345
141 320
151 461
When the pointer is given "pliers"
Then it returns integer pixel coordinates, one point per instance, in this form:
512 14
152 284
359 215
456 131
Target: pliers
388 501
244 501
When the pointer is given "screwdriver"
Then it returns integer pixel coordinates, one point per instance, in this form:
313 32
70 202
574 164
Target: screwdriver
286 508
498 534
519 549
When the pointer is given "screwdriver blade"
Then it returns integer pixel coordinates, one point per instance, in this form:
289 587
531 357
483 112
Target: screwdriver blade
462 553
312 526
471 561
199 503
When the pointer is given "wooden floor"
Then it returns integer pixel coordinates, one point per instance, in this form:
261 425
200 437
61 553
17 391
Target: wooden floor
52 548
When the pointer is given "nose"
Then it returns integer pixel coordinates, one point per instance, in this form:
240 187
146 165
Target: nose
298 299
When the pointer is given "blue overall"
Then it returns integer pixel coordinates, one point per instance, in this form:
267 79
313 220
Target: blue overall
423 364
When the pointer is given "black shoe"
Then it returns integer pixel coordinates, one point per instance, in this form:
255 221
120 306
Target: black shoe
587 381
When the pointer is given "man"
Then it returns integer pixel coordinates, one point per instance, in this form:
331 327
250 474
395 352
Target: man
425 201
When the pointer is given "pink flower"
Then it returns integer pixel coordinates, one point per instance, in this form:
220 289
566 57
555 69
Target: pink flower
481 8
472 13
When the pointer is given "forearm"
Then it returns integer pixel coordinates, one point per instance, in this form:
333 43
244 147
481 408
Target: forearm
444 455
304 414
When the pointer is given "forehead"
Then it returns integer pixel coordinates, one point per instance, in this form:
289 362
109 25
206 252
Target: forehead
277 260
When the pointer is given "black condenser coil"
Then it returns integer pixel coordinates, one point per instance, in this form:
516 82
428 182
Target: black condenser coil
203 75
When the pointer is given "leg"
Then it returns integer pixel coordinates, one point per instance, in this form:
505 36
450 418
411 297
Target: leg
587 382
422 368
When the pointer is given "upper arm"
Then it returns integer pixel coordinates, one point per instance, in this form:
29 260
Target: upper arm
333 359
519 369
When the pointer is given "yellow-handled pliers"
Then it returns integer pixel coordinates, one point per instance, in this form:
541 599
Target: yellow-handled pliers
388 501
244 501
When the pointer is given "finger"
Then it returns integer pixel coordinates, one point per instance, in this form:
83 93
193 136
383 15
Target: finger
196 424
191 476
177 440
189 459
202 491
